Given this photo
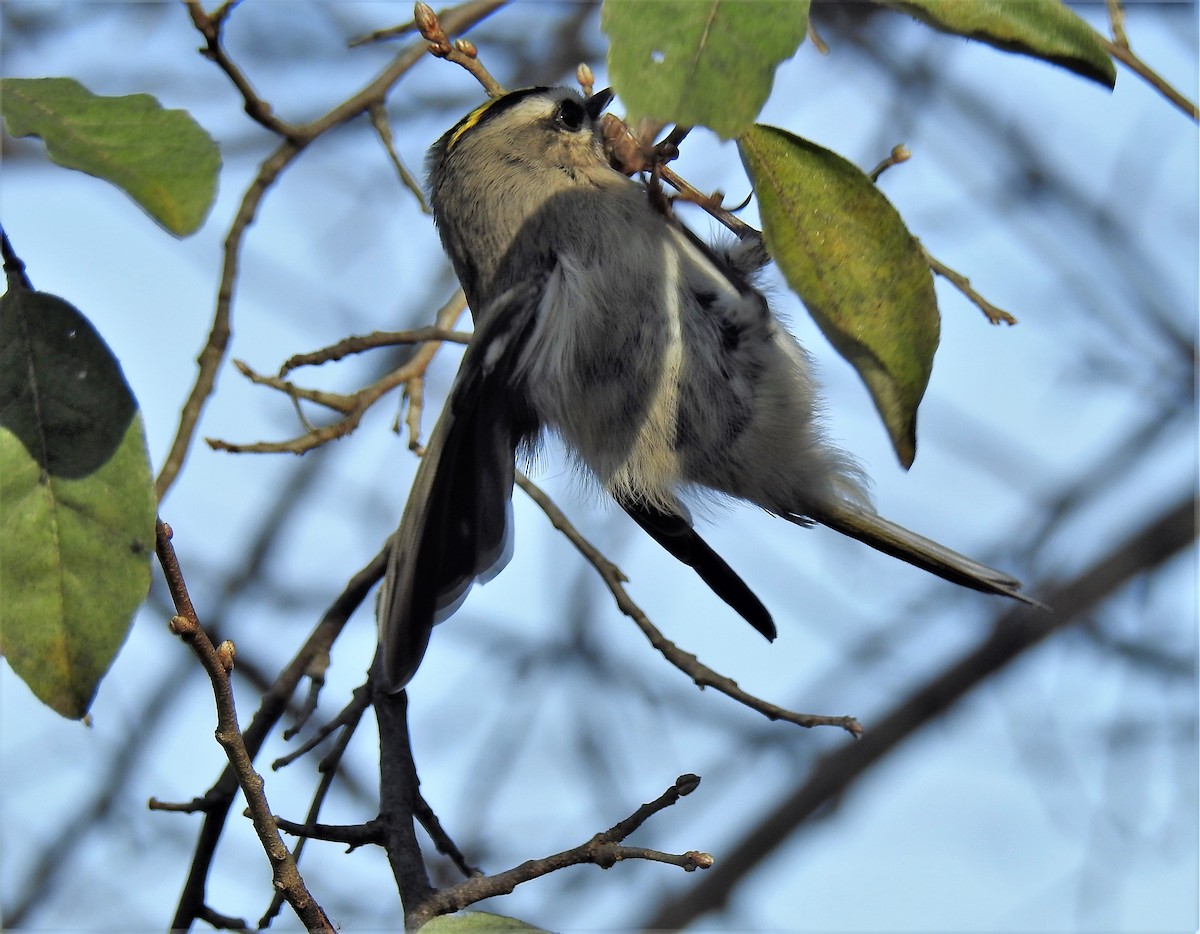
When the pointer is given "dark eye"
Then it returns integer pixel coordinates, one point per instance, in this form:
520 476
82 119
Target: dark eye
570 114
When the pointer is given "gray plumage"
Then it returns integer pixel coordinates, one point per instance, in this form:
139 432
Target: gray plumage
652 355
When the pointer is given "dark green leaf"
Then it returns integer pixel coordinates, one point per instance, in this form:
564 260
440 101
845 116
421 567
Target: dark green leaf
706 62
76 501
161 158
846 252
1045 29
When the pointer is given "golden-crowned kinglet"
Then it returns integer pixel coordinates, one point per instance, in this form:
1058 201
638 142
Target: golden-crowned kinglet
605 320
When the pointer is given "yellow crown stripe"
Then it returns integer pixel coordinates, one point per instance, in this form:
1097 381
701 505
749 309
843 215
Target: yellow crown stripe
468 123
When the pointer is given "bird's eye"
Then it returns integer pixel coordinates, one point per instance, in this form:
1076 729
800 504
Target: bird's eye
570 114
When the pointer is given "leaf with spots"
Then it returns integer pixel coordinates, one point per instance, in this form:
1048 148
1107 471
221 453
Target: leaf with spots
706 62
845 251
77 503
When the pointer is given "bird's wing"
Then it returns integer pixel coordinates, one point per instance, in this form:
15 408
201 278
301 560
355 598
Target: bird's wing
455 528
676 535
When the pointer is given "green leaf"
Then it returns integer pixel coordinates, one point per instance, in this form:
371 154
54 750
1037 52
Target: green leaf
707 62
161 158
478 922
76 501
1044 29
845 251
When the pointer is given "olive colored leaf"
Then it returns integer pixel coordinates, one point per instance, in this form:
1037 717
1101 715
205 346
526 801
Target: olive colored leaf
477 922
706 62
77 509
162 159
845 251
1044 29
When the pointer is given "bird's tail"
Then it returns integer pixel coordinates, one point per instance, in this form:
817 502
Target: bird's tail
899 542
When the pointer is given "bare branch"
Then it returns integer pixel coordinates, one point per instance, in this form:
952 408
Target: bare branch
1118 47
963 284
218 663
689 664
604 849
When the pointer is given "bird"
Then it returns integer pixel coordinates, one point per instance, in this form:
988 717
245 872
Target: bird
602 319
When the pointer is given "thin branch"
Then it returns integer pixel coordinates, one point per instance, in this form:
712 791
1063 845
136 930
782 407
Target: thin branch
213 354
900 153
963 284
460 51
604 850
218 663
1118 47
441 839
348 716
361 344
1015 632
355 405
271 708
296 139
383 127
689 664
210 28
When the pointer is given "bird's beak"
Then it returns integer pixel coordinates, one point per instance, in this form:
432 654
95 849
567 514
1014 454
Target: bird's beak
595 104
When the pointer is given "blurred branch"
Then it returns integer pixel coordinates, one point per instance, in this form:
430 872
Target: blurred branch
218 663
1014 633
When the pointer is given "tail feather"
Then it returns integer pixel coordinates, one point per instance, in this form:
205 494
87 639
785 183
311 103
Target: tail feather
675 534
921 552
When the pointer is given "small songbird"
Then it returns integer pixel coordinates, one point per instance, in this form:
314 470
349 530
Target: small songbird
600 318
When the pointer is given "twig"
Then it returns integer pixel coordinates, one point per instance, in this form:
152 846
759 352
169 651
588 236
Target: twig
328 768
383 127
348 716
1014 633
689 664
14 268
441 839
460 51
815 38
604 850
380 35
355 405
900 153
271 708
218 663
963 284
1118 47
296 140
210 28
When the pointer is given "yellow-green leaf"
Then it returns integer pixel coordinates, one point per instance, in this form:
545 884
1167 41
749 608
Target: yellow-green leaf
76 501
845 251
706 62
478 922
161 158
1044 29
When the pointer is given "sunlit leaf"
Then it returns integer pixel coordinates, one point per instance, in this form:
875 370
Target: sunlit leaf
161 158
707 62
845 251
76 501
